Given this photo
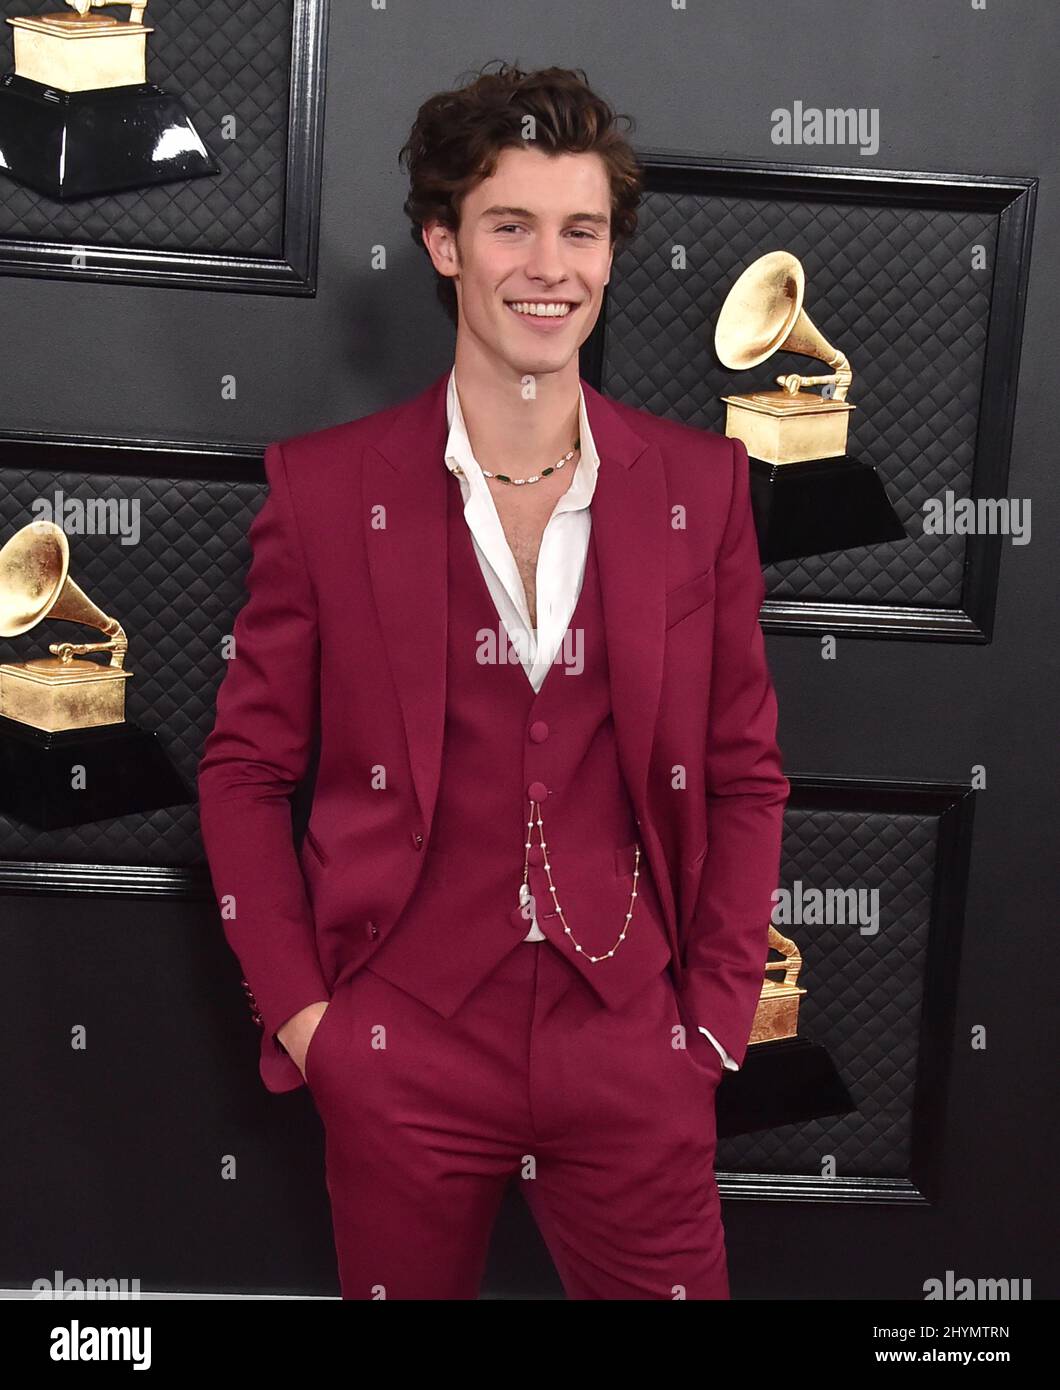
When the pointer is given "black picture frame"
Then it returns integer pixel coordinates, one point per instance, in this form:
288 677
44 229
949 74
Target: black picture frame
1012 201
293 272
952 807
171 479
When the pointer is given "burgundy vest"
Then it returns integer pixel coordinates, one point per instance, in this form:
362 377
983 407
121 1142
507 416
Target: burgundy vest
500 738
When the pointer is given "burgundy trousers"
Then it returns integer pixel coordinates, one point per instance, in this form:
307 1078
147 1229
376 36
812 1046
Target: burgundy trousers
601 1116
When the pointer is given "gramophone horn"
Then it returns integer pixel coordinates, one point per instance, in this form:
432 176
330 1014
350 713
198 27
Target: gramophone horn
35 584
763 314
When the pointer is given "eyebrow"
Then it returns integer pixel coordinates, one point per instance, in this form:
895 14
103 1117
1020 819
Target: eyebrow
499 210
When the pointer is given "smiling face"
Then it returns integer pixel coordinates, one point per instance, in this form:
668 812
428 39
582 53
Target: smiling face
531 258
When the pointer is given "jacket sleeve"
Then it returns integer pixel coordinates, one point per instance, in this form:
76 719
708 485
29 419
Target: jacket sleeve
727 944
253 758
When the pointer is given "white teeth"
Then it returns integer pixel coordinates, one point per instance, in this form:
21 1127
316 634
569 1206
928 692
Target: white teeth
542 311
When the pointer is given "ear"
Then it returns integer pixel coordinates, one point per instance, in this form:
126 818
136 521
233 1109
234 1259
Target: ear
441 247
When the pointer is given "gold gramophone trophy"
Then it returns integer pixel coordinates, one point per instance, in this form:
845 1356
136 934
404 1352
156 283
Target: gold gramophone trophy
78 116
786 1077
59 691
62 712
777 1015
808 494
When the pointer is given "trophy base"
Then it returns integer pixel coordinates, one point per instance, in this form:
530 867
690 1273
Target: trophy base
53 695
777 1015
780 1083
71 145
821 505
778 427
126 771
77 52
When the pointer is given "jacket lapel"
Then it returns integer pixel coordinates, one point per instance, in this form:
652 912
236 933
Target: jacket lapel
404 509
629 521
630 511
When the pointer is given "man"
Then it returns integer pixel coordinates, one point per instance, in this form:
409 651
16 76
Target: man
526 930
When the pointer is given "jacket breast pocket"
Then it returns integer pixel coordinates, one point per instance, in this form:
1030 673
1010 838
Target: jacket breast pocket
689 597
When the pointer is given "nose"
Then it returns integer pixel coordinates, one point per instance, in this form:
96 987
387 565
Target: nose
545 262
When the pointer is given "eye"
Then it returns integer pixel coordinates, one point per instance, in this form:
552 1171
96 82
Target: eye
579 232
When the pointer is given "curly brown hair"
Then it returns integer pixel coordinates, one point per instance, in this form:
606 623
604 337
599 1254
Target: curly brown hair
457 136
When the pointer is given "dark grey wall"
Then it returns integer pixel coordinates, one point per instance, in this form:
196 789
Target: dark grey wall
958 90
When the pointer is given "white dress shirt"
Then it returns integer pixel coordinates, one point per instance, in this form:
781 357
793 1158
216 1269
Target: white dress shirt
560 562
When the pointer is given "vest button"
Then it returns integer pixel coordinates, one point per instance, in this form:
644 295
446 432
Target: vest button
537 791
371 930
539 731
417 839
535 856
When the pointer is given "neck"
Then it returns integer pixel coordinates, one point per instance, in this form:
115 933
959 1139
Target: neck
508 432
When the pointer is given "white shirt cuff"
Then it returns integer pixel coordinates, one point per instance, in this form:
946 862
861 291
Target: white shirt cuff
726 1059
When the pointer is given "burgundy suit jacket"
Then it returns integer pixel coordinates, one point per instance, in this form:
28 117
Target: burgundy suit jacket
344 631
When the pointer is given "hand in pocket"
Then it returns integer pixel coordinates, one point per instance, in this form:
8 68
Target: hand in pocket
309 1057
297 1034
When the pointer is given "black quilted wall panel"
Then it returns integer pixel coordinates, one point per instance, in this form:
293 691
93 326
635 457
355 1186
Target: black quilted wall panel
224 58
176 593
891 287
864 992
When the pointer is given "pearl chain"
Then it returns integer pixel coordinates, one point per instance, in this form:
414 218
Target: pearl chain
524 890
534 478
